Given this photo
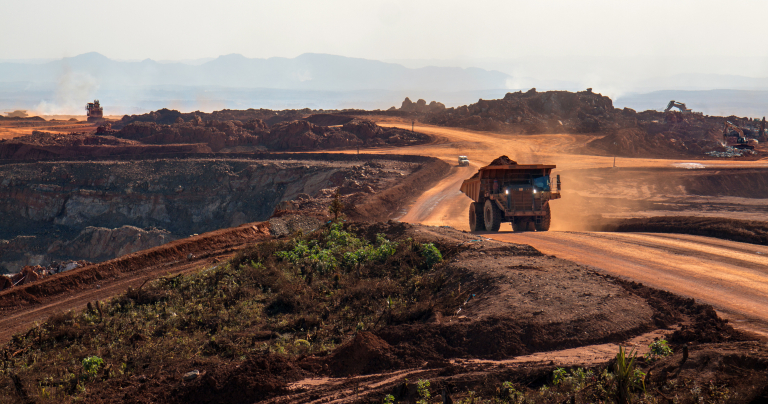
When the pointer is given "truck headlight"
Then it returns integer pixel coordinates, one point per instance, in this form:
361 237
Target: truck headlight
506 191
534 190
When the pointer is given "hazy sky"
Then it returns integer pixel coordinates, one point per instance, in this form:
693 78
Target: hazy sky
544 37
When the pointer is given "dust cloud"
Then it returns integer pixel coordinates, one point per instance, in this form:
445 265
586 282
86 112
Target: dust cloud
73 91
594 199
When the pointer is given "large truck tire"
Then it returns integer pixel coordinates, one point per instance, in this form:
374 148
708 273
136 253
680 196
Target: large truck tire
476 222
491 216
542 224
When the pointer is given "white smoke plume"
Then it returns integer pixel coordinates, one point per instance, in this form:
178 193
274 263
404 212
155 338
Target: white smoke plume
74 89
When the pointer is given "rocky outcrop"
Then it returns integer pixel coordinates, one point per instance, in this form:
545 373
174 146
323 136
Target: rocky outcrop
626 132
535 112
100 210
184 197
100 244
315 132
81 202
421 106
91 244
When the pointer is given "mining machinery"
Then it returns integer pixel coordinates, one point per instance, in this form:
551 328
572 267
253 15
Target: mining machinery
95 112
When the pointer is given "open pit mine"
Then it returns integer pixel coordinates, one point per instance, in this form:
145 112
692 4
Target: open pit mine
542 247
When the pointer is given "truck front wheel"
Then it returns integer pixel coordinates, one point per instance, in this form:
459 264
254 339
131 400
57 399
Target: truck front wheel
542 223
491 216
476 217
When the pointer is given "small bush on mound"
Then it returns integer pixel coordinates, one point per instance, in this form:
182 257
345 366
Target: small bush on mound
658 349
302 296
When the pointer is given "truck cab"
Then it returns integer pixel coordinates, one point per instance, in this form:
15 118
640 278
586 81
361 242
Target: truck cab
463 161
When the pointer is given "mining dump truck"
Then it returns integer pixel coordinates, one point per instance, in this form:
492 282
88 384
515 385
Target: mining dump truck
95 111
505 191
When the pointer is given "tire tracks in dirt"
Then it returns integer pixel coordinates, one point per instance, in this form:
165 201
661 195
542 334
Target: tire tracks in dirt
731 276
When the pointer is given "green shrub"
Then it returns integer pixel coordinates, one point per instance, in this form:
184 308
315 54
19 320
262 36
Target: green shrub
510 394
558 375
431 254
91 365
422 389
659 349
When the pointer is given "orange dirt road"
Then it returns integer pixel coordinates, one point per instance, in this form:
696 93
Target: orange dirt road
731 276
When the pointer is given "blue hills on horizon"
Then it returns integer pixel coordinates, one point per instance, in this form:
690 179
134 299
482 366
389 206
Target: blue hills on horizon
309 71
317 81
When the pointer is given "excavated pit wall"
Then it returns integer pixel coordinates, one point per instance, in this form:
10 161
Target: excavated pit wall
97 210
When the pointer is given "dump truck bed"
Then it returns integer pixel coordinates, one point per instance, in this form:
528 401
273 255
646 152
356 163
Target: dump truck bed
521 174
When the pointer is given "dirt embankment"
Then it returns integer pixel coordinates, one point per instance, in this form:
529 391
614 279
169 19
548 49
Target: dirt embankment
21 306
745 231
491 301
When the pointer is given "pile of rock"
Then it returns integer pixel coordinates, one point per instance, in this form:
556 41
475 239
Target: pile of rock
421 107
535 112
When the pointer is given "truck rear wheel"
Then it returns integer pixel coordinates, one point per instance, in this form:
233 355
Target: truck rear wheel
491 216
476 217
542 223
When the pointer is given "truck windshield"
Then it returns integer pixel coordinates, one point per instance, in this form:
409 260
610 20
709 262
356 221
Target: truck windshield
541 183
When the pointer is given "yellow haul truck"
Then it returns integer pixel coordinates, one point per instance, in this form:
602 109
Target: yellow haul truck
505 191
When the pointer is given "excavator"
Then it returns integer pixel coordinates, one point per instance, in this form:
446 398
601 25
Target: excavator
678 105
736 139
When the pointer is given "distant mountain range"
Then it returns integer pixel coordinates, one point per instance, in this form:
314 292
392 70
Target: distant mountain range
316 72
320 81
233 81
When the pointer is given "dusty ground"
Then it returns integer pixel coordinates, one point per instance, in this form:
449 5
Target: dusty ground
10 129
707 269
658 186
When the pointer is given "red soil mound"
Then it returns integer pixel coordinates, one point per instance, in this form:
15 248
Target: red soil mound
367 353
258 378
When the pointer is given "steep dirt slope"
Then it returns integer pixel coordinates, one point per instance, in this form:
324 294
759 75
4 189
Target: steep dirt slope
22 306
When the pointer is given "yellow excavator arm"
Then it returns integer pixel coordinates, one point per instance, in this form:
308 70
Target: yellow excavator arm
679 105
